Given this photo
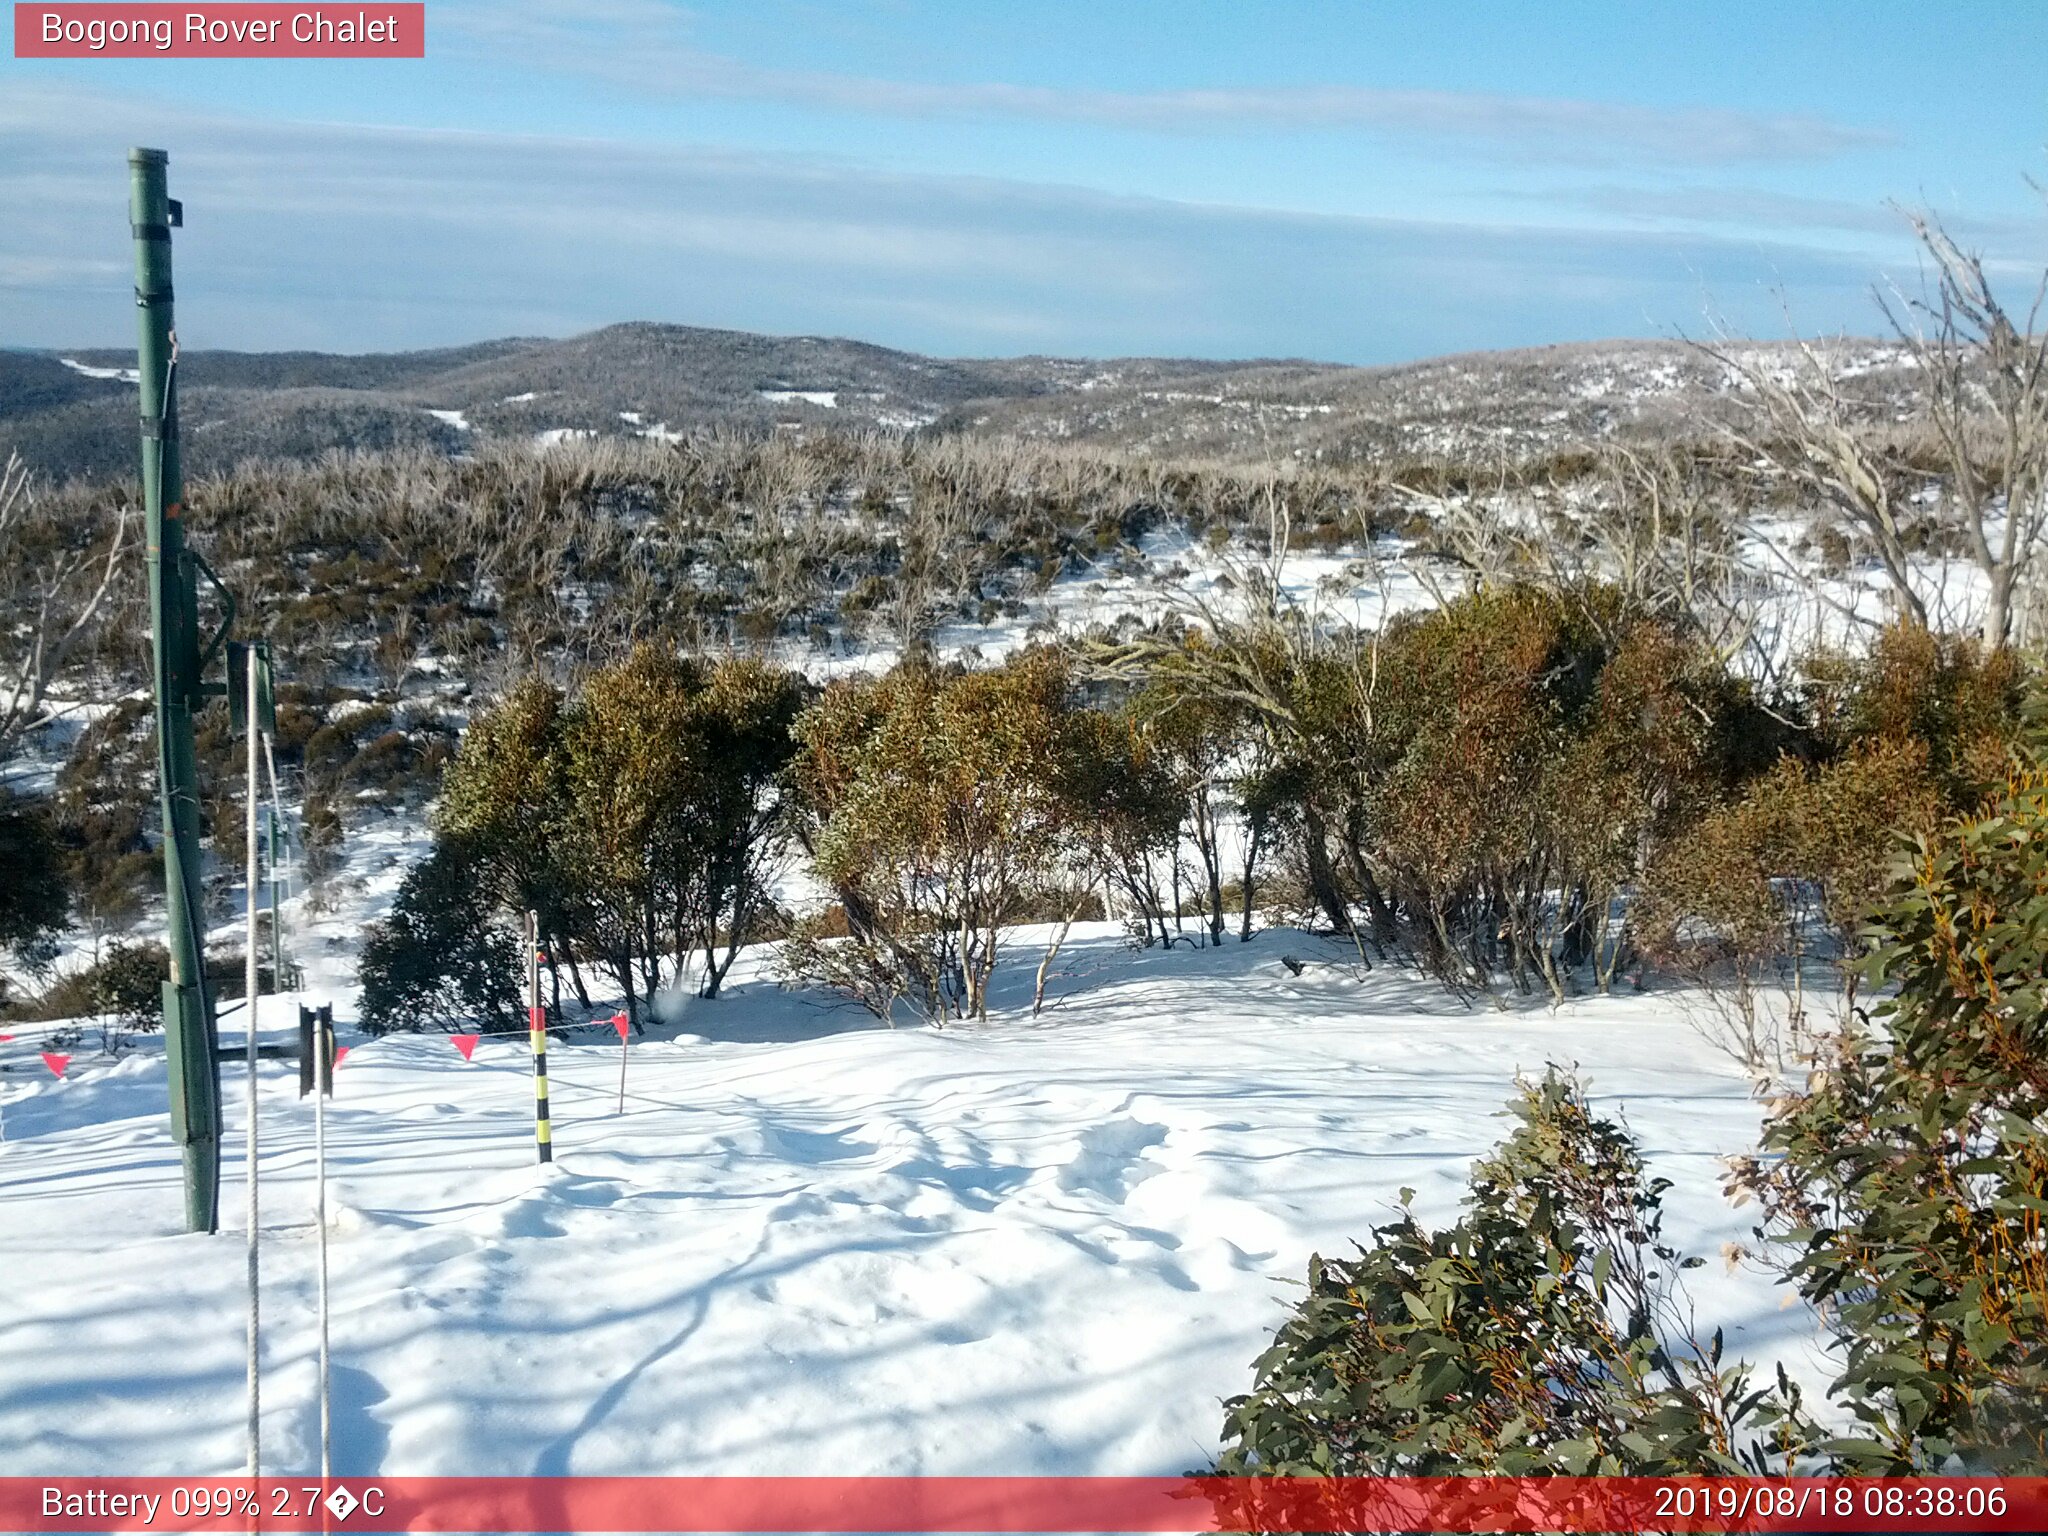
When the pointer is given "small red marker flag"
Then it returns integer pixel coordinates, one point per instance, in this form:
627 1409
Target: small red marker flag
56 1061
466 1044
621 1023
5 1038
341 1053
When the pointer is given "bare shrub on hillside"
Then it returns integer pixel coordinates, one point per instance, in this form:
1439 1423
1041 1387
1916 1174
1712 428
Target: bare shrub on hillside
59 580
1980 413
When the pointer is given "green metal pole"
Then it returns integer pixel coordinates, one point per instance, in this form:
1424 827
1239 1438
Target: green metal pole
173 605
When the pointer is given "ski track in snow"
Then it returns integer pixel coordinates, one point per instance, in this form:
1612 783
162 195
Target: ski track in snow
810 1244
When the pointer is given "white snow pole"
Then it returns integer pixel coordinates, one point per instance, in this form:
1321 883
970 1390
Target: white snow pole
249 985
323 1066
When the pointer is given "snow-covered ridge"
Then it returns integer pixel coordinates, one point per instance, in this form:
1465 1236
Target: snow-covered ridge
125 375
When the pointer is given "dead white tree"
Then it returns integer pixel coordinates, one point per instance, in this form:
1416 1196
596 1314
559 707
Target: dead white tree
1805 430
1986 385
1981 401
54 592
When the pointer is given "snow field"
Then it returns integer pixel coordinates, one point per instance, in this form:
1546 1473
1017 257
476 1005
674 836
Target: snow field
809 1244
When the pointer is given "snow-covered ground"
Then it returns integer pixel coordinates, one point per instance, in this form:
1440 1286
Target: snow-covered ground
808 1244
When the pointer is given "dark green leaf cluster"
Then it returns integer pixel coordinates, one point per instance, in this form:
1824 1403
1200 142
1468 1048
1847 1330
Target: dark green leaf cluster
35 898
1910 1177
1543 1332
441 959
1920 726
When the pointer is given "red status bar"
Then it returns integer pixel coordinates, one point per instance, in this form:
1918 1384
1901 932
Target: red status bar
1035 1504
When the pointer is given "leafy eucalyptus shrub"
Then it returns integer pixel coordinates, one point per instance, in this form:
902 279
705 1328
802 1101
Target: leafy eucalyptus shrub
442 959
35 897
1911 1174
942 807
1544 1332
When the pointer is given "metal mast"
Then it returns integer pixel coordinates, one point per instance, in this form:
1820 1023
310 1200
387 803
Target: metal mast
173 606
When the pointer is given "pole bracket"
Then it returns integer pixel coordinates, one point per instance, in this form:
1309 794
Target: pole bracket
227 618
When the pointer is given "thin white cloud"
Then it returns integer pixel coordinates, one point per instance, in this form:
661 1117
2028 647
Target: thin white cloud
1755 208
644 46
367 238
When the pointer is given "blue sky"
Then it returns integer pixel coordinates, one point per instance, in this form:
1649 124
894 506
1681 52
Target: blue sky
1358 182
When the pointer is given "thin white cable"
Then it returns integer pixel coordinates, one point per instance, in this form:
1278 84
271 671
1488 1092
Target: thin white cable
323 1068
251 1000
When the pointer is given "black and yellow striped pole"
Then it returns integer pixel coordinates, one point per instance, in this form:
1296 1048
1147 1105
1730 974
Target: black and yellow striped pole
537 1036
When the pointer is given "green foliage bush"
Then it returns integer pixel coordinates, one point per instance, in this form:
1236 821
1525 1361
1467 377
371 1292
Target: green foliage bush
1910 1175
640 818
106 794
443 958
1907 1181
1543 1332
1961 700
940 807
123 987
1733 889
1480 783
35 897
127 981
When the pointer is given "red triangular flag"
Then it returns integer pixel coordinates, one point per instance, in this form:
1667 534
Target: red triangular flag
341 1053
56 1061
621 1023
466 1044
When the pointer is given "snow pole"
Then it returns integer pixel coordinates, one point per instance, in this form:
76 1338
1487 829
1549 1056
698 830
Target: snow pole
537 1037
178 661
251 983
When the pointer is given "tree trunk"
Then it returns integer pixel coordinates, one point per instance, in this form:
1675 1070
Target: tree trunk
1255 834
1322 878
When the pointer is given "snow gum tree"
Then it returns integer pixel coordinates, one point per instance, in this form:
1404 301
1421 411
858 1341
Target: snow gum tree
939 814
630 775
1196 740
506 797
1134 808
1905 1183
443 957
739 731
640 817
1981 420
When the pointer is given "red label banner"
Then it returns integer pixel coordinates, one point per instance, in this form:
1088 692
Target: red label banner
1034 1504
216 31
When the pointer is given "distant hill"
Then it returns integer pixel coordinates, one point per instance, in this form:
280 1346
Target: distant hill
73 414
